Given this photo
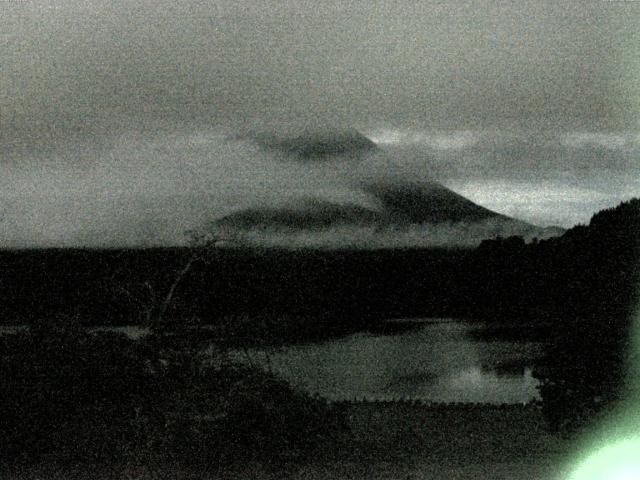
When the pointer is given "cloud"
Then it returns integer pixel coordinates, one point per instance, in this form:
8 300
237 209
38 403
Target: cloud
613 141
546 178
81 68
149 185
149 188
439 141
556 202
441 235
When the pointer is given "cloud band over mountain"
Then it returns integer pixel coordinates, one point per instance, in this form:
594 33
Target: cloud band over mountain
328 187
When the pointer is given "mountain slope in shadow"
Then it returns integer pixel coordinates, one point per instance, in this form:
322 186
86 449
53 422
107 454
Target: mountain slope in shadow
427 202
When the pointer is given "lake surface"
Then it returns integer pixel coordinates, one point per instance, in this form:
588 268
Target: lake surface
436 360
433 360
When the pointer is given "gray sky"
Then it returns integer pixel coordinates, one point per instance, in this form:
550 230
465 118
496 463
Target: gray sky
113 108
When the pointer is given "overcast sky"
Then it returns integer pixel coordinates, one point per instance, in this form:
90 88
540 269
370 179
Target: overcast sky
505 99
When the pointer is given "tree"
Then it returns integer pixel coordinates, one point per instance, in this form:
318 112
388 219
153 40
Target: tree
583 376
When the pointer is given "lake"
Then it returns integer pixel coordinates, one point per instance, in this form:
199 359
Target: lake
425 359
437 360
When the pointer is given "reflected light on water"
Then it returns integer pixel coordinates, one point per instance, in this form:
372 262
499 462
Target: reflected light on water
438 362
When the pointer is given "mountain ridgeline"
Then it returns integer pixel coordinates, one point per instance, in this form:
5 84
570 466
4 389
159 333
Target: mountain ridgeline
428 202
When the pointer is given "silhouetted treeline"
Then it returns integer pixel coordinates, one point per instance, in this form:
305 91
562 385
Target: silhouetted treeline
111 287
589 269
588 353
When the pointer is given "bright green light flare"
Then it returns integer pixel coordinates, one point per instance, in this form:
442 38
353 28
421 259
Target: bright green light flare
617 456
619 461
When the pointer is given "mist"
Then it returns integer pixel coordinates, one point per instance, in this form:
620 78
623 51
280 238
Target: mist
143 189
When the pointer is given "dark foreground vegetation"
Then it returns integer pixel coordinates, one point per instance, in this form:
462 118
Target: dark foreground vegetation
70 395
385 440
100 397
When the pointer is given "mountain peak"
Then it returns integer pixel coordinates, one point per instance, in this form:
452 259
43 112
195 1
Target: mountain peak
311 145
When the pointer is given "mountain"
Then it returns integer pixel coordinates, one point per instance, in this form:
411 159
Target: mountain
386 206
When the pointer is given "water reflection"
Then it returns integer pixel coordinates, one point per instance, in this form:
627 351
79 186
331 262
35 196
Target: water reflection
439 361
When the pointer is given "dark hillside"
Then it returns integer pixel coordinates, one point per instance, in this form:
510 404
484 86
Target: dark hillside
110 287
